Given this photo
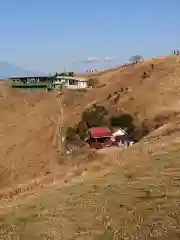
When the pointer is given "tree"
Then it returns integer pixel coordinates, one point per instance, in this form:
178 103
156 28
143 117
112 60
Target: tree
61 74
94 116
71 74
136 59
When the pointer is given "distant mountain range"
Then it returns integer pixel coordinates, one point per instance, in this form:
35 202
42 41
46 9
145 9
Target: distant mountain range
9 70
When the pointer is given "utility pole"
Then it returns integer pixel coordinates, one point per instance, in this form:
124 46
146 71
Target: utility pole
64 70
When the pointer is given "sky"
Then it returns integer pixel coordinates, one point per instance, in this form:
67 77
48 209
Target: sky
50 36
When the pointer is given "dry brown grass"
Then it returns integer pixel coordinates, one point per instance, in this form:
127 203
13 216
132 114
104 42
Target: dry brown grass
145 98
27 126
124 202
132 193
128 194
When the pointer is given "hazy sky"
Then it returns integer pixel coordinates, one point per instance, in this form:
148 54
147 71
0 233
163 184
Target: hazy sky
50 35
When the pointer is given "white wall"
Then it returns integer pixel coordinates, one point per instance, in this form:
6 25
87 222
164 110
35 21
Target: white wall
81 84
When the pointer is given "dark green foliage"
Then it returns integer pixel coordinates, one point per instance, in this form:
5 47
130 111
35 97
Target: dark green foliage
97 116
61 74
94 116
136 59
123 120
70 74
126 121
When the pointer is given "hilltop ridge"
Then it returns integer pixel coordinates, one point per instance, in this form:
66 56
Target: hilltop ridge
147 94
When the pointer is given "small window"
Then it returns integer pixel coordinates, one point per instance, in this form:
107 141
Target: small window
103 139
73 82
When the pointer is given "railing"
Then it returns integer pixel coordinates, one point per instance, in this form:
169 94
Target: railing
30 86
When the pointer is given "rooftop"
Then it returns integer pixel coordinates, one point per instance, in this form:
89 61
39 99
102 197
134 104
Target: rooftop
119 132
73 78
99 132
19 77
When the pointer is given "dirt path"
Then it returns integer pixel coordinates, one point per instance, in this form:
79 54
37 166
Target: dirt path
58 140
109 149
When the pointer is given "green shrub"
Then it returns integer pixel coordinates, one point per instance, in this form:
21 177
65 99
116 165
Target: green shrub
94 116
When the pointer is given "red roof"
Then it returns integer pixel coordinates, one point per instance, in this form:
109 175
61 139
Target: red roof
99 132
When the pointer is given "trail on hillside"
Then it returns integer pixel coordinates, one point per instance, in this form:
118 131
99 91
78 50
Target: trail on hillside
32 124
58 140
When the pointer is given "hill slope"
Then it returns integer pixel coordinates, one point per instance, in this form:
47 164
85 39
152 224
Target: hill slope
145 98
127 194
27 126
138 199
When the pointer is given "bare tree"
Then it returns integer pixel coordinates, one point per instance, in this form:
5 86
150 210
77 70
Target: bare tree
136 59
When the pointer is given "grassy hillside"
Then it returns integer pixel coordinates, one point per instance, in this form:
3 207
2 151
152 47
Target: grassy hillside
119 203
152 91
27 125
124 194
